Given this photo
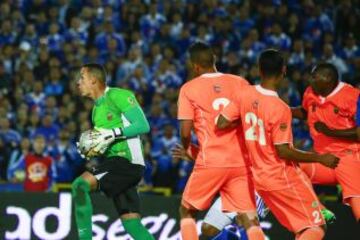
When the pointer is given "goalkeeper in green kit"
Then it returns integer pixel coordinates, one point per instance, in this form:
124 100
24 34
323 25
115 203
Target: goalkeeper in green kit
118 121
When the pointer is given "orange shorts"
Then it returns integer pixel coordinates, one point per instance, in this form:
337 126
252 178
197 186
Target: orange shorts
347 174
234 185
296 207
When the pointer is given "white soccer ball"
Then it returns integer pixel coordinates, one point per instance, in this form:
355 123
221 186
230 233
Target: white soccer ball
87 142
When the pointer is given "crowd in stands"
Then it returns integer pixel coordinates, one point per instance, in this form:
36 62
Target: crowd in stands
142 44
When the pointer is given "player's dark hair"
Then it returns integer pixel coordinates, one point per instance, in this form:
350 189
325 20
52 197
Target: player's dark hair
97 71
329 70
202 54
271 63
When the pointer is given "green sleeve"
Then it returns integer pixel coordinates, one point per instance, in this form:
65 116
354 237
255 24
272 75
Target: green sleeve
138 122
126 103
123 99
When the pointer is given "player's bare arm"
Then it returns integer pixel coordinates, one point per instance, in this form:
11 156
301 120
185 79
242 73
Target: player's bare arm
347 134
185 132
299 112
179 152
285 151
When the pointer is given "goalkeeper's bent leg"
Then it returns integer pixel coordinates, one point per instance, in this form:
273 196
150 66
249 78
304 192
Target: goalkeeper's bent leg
83 208
136 229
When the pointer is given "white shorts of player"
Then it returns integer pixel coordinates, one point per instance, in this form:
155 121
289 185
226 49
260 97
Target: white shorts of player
218 219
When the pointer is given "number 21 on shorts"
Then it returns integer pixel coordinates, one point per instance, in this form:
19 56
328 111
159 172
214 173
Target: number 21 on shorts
251 134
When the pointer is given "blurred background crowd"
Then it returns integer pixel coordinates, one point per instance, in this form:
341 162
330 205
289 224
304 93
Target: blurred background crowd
142 44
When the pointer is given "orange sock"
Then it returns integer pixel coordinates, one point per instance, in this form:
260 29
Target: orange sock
355 206
255 233
188 229
315 233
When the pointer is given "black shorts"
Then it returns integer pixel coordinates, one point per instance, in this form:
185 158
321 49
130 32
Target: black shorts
118 179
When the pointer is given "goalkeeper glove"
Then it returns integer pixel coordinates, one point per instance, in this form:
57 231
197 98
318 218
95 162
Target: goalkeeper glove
105 138
79 151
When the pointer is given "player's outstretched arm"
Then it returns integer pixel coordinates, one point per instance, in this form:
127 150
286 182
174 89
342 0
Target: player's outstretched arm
287 152
347 134
299 112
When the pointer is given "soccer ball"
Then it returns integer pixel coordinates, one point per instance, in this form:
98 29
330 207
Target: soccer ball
87 143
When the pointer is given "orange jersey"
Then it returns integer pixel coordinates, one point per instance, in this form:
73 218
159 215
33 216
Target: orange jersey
337 111
201 101
266 120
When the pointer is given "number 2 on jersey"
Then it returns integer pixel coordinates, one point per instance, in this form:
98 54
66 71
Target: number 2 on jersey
250 134
218 104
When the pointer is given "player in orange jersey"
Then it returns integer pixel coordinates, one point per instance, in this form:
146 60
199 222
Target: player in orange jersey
266 120
352 133
220 166
358 119
330 108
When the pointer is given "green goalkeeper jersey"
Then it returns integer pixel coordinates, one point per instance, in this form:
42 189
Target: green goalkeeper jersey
109 112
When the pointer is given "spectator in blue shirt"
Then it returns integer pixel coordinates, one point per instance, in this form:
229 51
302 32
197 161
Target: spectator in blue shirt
161 153
16 167
10 136
54 87
7 34
75 33
66 158
22 121
48 129
30 35
108 14
36 99
55 40
278 39
150 23
102 37
244 22
297 57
